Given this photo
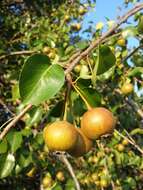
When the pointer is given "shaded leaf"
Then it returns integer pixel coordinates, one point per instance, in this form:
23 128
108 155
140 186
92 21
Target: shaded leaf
91 95
3 146
106 59
15 140
35 116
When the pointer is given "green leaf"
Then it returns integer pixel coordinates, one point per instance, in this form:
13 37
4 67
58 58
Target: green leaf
106 59
82 44
91 95
70 185
40 81
57 109
106 75
135 71
140 25
15 140
24 161
3 146
69 50
57 187
8 166
35 116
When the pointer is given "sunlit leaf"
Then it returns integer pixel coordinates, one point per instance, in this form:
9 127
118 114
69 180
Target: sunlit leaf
39 80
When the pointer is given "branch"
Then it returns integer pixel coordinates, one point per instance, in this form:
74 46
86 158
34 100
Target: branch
94 44
26 52
64 159
132 53
14 121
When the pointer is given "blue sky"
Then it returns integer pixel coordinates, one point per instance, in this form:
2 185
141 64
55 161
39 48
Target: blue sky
108 9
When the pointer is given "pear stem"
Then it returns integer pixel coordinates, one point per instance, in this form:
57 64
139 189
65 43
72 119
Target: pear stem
83 98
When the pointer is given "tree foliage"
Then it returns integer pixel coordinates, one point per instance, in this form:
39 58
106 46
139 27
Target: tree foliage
38 40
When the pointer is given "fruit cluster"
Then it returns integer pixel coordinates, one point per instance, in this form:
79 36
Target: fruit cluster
63 136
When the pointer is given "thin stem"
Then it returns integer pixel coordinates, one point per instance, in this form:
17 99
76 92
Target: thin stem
14 121
89 64
25 52
6 123
83 98
64 159
68 78
95 69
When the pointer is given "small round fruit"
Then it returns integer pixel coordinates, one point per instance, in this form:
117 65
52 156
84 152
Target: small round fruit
97 122
82 11
94 159
104 183
97 183
127 88
125 142
120 147
60 136
51 55
46 50
76 26
67 18
77 68
32 172
121 42
60 176
47 181
94 177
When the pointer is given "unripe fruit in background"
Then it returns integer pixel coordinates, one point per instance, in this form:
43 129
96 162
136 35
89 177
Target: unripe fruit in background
46 50
97 122
60 136
52 55
127 88
67 18
125 142
31 172
77 68
121 42
60 176
104 183
120 147
47 181
82 11
76 26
